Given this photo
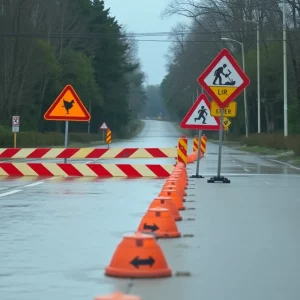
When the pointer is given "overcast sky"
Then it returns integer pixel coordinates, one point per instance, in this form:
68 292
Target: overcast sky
143 16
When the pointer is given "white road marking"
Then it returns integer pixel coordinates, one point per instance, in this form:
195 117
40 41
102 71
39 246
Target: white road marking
34 184
246 170
282 163
10 193
234 161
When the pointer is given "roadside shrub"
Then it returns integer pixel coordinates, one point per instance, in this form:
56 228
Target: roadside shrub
274 141
50 139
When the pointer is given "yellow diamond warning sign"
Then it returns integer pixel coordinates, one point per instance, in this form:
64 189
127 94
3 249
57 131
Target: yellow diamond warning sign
224 80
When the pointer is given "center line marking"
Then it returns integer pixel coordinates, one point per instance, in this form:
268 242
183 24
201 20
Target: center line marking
10 193
34 184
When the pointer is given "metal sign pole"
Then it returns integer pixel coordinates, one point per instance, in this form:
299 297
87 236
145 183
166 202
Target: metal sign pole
220 143
220 178
66 137
198 156
103 132
15 140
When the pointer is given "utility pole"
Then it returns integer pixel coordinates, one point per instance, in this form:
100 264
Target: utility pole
285 108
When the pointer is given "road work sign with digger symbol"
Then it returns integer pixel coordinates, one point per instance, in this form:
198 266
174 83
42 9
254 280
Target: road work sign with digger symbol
224 80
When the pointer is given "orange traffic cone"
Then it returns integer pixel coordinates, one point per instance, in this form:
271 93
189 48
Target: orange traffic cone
175 188
166 202
138 256
160 222
182 175
175 183
118 296
184 182
180 182
175 198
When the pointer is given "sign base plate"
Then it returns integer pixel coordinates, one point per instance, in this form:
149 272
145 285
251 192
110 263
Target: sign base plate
196 176
218 179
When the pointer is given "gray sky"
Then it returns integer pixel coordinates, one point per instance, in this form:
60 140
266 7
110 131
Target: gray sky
140 16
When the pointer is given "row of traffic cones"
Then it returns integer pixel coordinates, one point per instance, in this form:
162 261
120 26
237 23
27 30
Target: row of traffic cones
193 157
139 255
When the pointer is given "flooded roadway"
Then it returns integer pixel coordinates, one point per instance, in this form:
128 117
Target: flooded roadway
57 235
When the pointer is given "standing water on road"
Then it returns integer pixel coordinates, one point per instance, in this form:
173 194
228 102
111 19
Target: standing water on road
57 236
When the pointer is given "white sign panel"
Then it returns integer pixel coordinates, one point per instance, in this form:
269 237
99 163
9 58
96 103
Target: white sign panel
15 121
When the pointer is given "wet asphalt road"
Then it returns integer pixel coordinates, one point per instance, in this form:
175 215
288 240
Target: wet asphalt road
57 235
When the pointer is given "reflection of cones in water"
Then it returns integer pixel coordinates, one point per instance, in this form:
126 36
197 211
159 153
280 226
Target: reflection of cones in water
166 202
175 198
160 222
138 256
118 296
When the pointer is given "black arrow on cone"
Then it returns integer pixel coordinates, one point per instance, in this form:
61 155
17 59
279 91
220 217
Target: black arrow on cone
153 227
137 262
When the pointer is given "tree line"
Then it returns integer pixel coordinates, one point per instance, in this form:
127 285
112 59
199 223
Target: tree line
196 43
45 45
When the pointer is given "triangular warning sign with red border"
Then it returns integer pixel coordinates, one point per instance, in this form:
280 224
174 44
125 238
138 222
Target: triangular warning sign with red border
103 126
67 107
199 118
224 79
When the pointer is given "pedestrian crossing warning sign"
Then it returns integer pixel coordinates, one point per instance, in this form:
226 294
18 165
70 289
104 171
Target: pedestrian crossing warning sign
224 80
67 107
199 116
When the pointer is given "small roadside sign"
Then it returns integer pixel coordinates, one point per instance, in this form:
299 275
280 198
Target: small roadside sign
199 117
103 126
224 79
67 107
226 122
15 121
15 124
15 128
229 111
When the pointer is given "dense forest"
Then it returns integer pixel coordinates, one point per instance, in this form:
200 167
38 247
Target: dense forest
196 42
45 45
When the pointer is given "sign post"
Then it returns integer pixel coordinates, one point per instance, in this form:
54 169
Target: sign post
104 129
67 107
198 155
199 117
223 80
220 144
66 137
15 128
